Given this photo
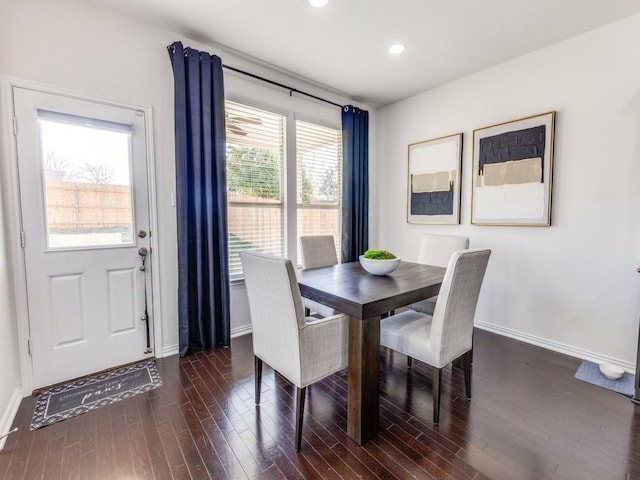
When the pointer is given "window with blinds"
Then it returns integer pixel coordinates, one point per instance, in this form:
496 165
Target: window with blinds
255 190
319 181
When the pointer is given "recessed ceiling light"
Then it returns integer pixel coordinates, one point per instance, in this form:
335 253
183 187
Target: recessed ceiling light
318 3
396 49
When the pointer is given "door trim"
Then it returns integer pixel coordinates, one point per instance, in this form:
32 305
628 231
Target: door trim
12 209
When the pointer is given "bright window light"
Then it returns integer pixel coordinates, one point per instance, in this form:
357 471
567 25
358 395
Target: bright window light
318 3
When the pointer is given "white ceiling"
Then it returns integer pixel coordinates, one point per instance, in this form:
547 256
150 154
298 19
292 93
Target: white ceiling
344 45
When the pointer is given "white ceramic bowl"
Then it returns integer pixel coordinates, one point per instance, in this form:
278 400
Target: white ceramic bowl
379 267
611 371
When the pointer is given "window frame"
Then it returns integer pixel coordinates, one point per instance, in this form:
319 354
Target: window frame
289 174
274 204
320 206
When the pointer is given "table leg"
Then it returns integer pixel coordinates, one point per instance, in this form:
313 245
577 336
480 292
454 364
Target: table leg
364 378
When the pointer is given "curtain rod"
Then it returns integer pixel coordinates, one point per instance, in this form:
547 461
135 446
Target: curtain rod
291 89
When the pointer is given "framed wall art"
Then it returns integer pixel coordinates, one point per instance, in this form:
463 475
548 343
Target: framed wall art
433 188
512 171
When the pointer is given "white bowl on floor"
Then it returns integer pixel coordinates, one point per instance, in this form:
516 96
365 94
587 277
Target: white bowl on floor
611 371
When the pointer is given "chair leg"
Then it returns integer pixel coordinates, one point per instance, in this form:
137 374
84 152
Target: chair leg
459 362
257 366
300 394
409 362
437 382
466 367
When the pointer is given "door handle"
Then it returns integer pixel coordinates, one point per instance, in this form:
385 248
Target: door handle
143 253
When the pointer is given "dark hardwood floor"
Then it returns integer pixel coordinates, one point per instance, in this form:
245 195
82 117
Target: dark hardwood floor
528 419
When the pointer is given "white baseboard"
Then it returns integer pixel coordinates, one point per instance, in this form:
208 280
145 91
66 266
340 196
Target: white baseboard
168 351
235 332
10 414
499 330
240 331
555 346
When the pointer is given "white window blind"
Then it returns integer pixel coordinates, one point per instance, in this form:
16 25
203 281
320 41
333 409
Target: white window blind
319 181
255 160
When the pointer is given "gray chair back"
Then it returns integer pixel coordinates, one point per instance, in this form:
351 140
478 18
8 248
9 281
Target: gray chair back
277 311
318 251
436 249
452 324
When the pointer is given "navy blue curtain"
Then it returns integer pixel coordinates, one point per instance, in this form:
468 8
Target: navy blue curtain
355 182
201 200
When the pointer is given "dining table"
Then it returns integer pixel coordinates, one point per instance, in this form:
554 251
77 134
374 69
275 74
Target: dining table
366 299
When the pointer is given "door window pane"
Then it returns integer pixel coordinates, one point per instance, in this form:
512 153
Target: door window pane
87 181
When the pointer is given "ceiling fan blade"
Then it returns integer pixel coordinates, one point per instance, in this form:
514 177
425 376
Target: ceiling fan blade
236 130
239 119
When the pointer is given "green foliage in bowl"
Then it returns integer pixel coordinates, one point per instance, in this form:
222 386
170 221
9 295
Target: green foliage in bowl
379 255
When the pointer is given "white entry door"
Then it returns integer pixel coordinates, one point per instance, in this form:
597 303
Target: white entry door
84 201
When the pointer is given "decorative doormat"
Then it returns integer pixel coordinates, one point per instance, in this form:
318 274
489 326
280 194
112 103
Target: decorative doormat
590 372
65 401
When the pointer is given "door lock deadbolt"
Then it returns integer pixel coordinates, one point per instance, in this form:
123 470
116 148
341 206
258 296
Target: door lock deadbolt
142 233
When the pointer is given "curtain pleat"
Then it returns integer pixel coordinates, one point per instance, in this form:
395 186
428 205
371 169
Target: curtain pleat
201 200
355 182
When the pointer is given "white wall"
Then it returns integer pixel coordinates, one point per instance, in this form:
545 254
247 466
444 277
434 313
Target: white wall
572 286
84 49
9 362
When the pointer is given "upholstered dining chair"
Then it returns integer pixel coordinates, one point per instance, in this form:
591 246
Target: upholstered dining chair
436 249
302 349
447 335
318 251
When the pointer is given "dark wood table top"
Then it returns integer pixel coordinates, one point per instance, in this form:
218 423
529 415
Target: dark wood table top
350 289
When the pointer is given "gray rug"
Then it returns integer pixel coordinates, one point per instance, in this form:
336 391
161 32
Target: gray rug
590 372
65 401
